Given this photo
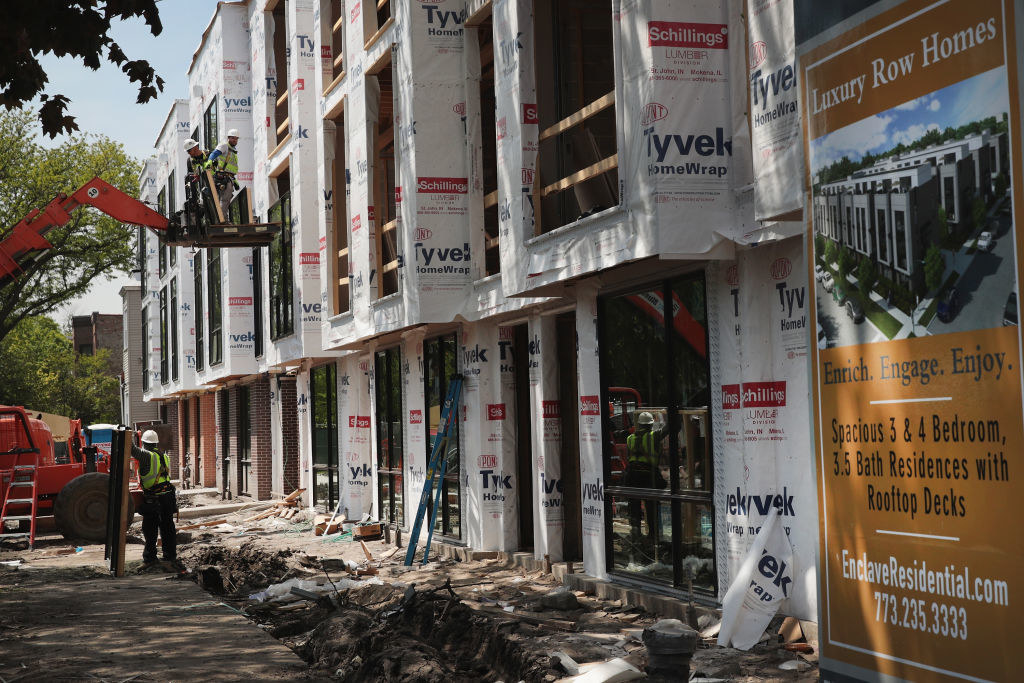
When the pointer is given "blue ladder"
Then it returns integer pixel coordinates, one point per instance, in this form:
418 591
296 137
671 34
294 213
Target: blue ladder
437 465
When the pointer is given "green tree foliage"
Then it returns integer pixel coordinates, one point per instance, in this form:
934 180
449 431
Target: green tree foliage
830 252
73 28
819 245
867 274
978 210
934 267
845 260
1001 185
39 369
91 246
943 225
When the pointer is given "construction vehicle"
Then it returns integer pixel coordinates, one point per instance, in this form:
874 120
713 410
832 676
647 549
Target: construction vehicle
35 488
200 224
33 485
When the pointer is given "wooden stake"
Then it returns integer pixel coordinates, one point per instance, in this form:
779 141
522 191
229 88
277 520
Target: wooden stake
366 551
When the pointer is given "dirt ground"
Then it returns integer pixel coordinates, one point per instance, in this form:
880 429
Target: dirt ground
63 618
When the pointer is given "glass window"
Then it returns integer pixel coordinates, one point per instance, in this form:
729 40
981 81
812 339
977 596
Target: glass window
440 363
324 411
244 441
163 337
173 312
172 206
654 372
390 444
210 126
200 316
257 300
145 348
901 239
282 316
213 287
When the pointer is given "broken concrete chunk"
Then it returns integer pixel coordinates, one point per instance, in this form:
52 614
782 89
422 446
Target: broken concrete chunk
613 671
670 644
794 665
567 663
560 599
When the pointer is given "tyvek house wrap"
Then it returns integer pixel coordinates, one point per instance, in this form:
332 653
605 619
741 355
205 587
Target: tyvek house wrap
357 491
777 141
491 510
434 211
758 335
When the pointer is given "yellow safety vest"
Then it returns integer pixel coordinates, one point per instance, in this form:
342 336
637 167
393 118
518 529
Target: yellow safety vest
158 472
227 162
646 453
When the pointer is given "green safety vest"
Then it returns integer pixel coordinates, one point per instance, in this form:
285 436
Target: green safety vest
647 452
158 473
227 162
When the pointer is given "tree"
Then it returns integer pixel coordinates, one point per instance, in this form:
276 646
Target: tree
39 369
943 225
978 210
830 252
934 268
75 28
819 245
845 260
866 275
92 245
1001 185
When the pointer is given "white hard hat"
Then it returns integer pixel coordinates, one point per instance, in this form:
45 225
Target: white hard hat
233 133
149 436
189 144
645 418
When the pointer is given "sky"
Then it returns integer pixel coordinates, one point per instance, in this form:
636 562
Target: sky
969 100
103 102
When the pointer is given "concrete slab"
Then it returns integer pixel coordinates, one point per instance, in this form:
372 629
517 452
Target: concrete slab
76 623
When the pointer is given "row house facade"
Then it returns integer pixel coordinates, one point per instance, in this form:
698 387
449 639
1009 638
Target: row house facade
463 190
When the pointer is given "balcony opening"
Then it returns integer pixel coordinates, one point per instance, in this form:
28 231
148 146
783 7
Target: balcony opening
484 32
338 244
376 20
332 37
578 160
380 95
281 72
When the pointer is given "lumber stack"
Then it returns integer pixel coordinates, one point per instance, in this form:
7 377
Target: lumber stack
285 508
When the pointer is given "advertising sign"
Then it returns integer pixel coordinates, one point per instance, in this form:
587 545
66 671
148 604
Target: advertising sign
912 117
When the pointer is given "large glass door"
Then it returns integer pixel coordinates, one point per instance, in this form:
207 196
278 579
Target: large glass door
390 460
324 412
654 371
440 363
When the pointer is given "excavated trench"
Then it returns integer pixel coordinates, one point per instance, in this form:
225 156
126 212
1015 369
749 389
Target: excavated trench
375 632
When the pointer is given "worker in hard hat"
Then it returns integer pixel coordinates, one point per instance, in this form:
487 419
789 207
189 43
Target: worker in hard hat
159 500
197 158
224 163
643 471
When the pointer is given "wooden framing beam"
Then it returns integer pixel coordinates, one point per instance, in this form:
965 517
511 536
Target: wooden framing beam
376 36
573 119
603 166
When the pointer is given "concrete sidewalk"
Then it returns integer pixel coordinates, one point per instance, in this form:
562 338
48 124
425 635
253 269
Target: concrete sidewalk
64 618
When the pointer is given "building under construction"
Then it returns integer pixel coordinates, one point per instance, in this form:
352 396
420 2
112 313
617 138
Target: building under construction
496 190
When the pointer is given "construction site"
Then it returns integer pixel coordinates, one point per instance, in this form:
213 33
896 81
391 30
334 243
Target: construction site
528 340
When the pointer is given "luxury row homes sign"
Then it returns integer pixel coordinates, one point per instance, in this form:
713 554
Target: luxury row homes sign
912 124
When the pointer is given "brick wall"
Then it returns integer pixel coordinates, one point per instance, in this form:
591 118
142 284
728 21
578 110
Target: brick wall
262 453
289 434
208 438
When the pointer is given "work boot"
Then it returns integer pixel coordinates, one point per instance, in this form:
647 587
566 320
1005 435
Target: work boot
175 566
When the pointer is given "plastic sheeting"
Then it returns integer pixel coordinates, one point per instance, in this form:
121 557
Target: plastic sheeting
777 141
549 513
357 490
759 340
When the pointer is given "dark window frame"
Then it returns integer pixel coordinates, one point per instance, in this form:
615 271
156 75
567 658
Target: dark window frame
145 348
324 435
244 440
200 312
210 126
257 301
282 284
174 312
164 374
447 524
389 462
675 493
215 304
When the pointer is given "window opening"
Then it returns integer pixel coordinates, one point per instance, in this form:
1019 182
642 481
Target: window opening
257 301
379 86
339 216
213 288
578 160
282 315
200 312
244 441
440 362
173 312
164 375
390 446
324 415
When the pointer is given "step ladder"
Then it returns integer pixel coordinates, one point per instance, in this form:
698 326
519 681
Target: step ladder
436 466
19 505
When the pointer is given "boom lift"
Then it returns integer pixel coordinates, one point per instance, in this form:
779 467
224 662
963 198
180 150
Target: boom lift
200 224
